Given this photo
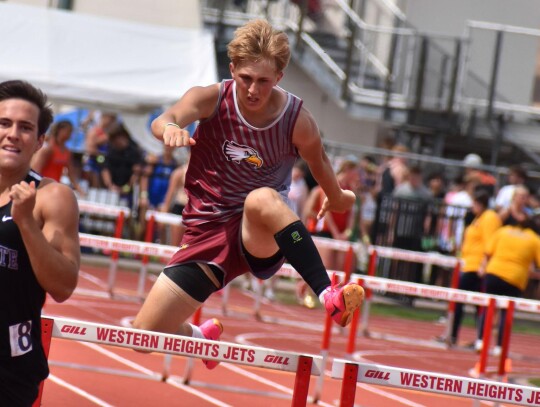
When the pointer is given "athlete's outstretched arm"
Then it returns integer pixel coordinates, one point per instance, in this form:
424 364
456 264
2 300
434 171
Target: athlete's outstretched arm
197 103
307 139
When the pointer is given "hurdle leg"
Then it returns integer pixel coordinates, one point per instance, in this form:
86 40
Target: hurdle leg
327 334
143 273
112 276
365 317
488 324
114 256
348 386
225 299
320 380
352 334
166 372
372 267
196 320
46 336
148 237
451 313
502 370
301 381
258 285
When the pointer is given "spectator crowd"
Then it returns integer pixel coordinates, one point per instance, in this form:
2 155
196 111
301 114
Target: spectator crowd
399 203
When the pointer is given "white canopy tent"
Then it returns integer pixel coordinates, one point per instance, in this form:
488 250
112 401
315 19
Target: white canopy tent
107 64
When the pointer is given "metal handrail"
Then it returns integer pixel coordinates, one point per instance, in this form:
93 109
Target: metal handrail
329 62
443 162
512 29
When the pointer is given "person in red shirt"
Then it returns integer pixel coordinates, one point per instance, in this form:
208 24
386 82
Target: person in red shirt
334 225
54 157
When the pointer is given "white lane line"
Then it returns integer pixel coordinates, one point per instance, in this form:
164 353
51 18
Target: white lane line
142 369
78 391
391 396
267 382
96 280
247 339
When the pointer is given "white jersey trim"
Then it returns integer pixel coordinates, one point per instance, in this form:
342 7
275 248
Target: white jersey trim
282 113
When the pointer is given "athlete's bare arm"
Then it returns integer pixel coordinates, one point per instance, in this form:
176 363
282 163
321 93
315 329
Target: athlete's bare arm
41 158
48 220
307 139
197 103
176 181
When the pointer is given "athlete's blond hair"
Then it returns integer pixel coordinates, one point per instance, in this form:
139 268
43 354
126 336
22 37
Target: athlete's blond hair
257 40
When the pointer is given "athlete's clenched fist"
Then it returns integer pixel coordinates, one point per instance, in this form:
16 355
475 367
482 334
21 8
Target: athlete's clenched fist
23 197
174 136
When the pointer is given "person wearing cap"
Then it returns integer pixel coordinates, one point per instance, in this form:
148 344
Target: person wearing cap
473 163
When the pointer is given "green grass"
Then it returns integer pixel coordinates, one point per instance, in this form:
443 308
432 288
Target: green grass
405 312
429 315
534 382
418 314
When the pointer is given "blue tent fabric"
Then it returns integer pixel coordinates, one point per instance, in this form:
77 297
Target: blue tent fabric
77 117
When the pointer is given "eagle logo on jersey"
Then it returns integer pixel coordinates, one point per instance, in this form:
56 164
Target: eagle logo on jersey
238 153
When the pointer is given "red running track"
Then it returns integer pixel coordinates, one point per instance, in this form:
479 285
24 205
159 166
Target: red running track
84 374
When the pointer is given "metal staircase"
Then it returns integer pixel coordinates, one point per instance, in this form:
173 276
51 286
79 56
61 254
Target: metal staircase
416 82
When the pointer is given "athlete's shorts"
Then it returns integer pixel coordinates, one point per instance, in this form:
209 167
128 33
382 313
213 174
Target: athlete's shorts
220 244
20 380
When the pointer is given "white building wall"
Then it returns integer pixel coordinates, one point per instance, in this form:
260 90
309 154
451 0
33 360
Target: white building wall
333 121
184 13
38 3
175 13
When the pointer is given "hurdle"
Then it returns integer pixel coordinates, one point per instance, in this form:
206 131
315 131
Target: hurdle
370 283
302 365
490 302
376 252
427 259
120 213
352 373
128 246
152 217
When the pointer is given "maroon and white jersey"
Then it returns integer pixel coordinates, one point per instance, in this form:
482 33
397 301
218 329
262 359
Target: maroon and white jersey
232 158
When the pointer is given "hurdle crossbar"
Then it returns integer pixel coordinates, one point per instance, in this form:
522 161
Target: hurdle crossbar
374 283
430 292
351 373
180 345
165 218
304 366
95 208
390 252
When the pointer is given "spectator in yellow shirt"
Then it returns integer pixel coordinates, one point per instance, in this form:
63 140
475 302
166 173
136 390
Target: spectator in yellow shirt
476 236
510 253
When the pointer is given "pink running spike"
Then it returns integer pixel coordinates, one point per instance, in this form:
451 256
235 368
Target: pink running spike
341 302
211 329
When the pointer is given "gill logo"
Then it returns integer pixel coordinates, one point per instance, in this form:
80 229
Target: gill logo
378 374
277 360
75 330
238 153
